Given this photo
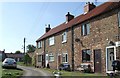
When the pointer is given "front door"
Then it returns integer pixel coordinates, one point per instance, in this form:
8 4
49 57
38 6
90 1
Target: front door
110 56
97 61
59 59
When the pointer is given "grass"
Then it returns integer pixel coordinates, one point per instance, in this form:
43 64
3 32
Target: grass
75 73
11 73
22 64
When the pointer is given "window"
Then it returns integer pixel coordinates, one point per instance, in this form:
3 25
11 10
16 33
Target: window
65 58
40 44
85 29
86 55
39 58
119 18
64 37
51 57
51 41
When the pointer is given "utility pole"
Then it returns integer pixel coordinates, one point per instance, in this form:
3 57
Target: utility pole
24 46
24 51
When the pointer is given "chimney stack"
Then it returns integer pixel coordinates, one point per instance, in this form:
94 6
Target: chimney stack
48 28
88 7
69 17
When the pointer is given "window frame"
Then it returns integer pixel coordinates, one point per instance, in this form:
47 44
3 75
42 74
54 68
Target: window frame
64 37
39 58
39 44
51 41
84 55
85 29
66 58
51 55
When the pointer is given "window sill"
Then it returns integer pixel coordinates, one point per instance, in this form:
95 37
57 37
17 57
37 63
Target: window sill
52 45
85 35
39 61
64 62
51 61
39 47
64 42
86 62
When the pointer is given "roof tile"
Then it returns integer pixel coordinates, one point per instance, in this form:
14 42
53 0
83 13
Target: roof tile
81 18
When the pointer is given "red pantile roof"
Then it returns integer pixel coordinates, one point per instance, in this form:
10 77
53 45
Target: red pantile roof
81 18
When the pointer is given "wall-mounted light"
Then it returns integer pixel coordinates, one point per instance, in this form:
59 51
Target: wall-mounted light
77 40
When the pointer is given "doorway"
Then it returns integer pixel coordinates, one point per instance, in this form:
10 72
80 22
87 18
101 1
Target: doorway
97 60
110 56
59 60
46 59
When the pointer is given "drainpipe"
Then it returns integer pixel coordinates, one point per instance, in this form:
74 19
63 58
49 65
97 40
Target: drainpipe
118 38
72 47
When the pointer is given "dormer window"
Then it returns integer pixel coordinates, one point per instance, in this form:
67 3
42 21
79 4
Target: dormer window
39 44
64 37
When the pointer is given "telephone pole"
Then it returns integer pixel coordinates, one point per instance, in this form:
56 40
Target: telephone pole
24 46
24 52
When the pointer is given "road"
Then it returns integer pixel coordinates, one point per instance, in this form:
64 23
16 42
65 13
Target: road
32 72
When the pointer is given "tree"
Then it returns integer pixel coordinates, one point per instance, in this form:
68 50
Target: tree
27 59
31 48
17 52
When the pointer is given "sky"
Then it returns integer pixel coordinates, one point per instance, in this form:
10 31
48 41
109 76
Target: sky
29 19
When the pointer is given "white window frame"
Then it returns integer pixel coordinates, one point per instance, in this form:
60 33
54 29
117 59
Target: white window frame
40 44
64 37
86 51
107 71
39 58
51 56
51 40
85 29
64 56
119 19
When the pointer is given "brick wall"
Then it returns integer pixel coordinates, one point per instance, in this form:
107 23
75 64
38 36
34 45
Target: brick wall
59 48
102 30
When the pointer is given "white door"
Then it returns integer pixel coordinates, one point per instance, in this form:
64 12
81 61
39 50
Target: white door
46 60
110 56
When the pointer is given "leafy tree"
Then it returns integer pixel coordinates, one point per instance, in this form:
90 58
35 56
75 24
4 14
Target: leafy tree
17 52
31 48
27 59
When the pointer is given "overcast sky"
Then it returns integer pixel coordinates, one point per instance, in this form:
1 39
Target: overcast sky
28 19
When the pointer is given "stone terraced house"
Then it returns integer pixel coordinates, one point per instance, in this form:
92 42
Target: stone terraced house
90 38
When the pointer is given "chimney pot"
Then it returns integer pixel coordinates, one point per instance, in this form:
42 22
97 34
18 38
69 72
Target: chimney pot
48 28
69 17
88 7
48 25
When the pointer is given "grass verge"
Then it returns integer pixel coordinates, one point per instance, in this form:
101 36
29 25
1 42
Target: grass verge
22 64
11 73
75 73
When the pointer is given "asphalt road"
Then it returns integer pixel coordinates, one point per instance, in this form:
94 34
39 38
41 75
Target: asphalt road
32 72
